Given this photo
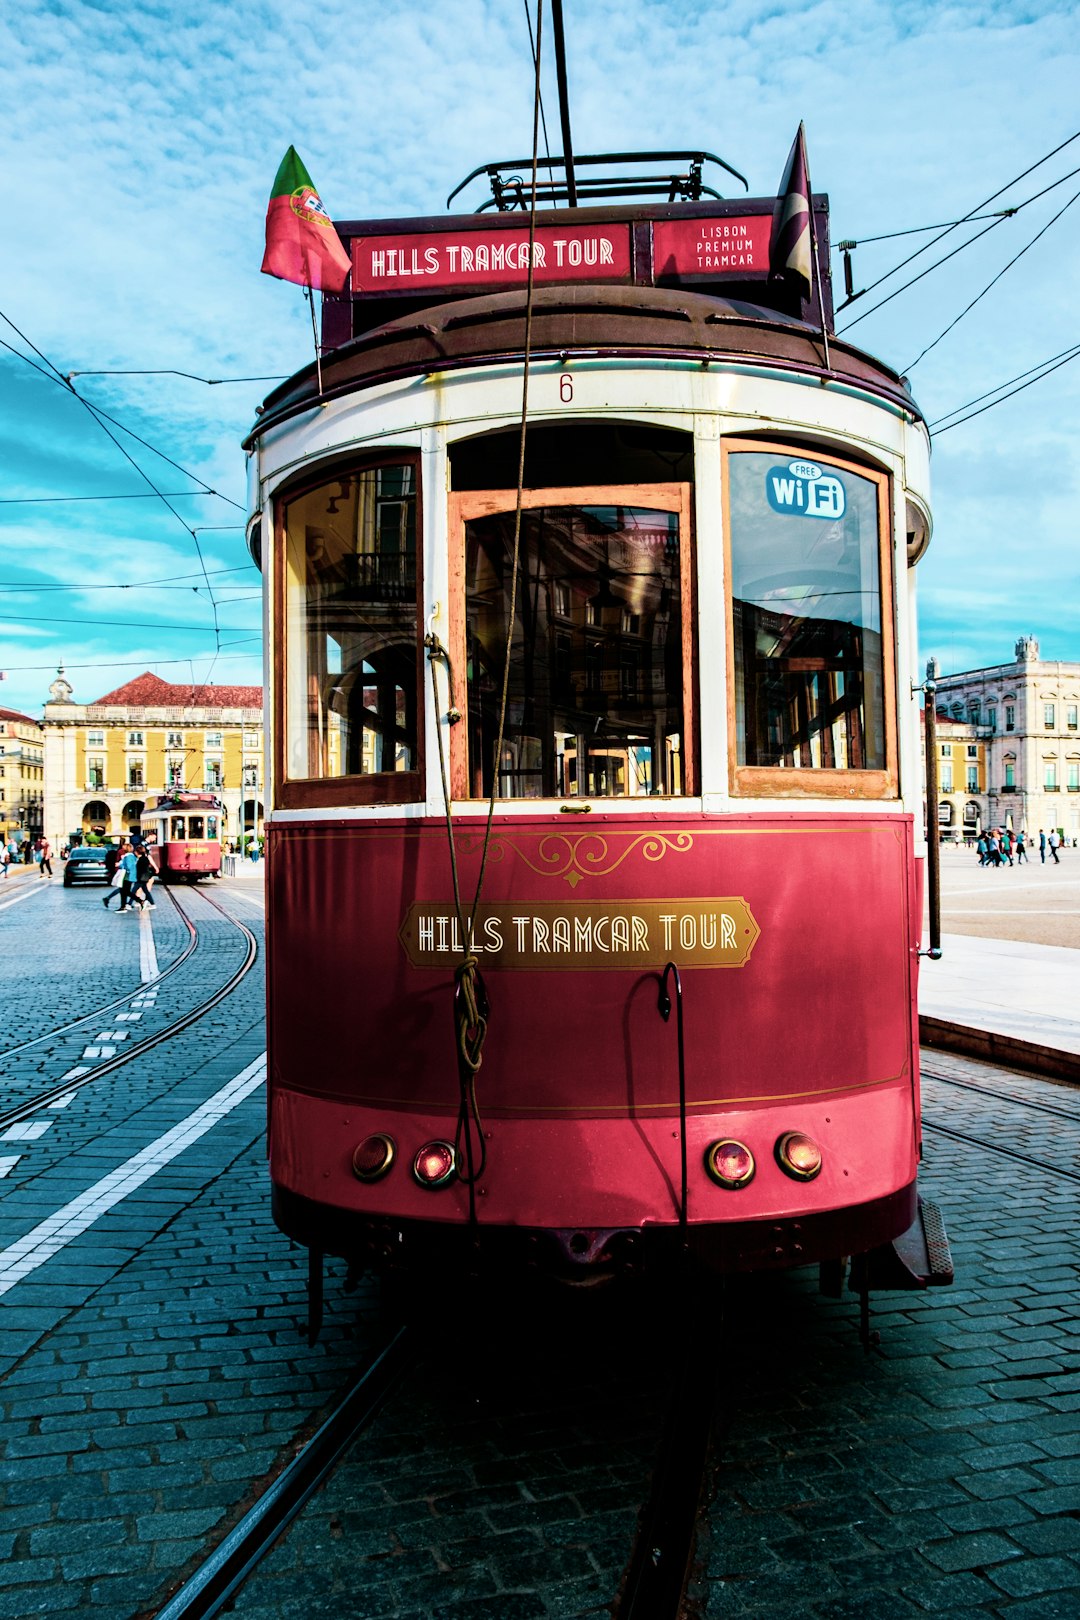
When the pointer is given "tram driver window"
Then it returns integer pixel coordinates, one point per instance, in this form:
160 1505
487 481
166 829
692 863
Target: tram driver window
596 682
351 626
809 667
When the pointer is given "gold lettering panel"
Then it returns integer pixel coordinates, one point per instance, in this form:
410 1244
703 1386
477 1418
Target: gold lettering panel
623 934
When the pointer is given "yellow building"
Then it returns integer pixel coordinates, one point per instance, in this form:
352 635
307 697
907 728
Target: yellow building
105 759
21 775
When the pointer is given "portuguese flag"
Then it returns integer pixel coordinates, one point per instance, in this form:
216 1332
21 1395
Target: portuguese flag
301 243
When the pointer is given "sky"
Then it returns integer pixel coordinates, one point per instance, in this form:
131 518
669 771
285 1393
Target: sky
142 140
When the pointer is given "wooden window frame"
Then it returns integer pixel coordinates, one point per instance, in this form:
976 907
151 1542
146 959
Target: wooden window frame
779 782
467 505
379 787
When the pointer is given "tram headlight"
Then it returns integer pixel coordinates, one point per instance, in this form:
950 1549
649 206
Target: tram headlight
435 1164
373 1156
798 1156
730 1164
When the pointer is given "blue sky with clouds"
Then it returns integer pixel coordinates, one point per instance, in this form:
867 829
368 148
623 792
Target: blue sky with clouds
142 140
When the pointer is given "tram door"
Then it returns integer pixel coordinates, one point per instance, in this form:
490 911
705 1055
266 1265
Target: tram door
599 689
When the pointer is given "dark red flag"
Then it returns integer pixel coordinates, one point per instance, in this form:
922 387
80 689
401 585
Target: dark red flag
791 245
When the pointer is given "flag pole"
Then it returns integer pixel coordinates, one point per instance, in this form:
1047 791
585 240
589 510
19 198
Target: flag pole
310 296
815 267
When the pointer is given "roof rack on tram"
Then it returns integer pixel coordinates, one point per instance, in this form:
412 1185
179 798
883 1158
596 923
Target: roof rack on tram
511 187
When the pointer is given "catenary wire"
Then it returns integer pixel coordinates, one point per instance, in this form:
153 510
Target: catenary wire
132 663
132 585
967 218
971 414
141 495
992 283
1069 353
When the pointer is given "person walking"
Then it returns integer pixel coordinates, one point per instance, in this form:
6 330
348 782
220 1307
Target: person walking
1021 846
1052 845
5 859
145 873
46 858
123 869
1042 846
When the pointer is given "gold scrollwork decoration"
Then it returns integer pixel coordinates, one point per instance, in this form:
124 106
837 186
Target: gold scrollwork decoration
574 857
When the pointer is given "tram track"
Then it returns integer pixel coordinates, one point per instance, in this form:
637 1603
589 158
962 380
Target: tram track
106 1066
1029 1103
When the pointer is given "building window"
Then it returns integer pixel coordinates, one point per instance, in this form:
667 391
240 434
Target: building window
972 751
973 779
175 739
251 739
991 719
95 739
946 750
213 739
174 773
1048 716
971 816
213 773
135 774
946 778
1074 777
1070 716
135 739
251 776
95 774
974 711
1010 774
1010 717
1050 780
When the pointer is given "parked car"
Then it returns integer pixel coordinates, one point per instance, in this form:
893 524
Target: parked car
86 864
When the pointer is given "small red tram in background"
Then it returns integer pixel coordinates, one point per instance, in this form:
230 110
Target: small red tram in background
706 779
184 829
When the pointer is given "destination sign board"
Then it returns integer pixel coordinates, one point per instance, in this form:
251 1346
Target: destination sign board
623 934
479 260
711 247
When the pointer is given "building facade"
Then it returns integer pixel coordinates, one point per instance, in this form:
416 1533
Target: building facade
1026 715
105 759
963 800
22 772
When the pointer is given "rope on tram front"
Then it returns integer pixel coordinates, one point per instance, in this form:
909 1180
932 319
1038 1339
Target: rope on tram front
471 1004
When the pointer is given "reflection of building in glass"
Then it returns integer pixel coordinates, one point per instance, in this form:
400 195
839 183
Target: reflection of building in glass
104 760
595 692
1025 717
352 625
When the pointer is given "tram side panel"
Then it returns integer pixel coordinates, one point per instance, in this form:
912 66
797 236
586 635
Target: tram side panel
794 939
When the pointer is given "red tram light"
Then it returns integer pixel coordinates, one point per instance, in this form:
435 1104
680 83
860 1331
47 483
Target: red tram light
798 1156
730 1164
435 1164
373 1156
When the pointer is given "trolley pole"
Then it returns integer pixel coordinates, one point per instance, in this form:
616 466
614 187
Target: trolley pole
933 837
564 101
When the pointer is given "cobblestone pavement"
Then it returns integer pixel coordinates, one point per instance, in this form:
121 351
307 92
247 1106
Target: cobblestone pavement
941 1473
152 1371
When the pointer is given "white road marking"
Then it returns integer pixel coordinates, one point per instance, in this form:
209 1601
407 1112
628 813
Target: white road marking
236 895
8 1164
128 1018
26 1133
148 965
99 1051
112 1035
56 1231
62 1102
32 888
74 1074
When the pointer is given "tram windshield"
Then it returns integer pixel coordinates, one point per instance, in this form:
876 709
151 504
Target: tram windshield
595 691
807 624
351 626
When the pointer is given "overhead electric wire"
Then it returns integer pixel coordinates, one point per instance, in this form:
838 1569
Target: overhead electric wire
128 663
168 371
1071 355
99 418
992 283
128 585
126 624
61 381
968 218
141 495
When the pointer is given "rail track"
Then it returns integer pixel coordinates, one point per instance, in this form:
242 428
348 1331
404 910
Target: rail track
106 1066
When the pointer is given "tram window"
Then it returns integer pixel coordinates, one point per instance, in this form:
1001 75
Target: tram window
195 827
211 827
178 827
808 652
595 701
352 652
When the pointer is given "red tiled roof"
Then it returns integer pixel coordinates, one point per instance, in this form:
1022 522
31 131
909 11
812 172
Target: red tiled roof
151 692
27 720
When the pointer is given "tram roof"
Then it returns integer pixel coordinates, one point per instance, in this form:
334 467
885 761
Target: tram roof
606 320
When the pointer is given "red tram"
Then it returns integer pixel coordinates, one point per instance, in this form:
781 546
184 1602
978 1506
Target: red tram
679 731
185 828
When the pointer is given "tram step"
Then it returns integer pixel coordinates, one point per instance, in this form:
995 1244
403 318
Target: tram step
919 1258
